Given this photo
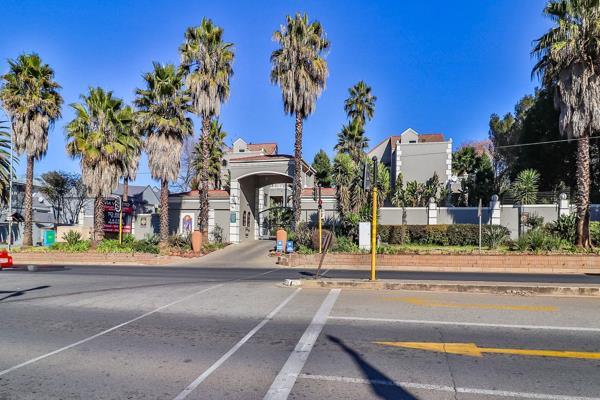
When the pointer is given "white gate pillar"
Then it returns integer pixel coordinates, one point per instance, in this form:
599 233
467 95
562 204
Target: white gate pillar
432 212
234 209
495 210
564 208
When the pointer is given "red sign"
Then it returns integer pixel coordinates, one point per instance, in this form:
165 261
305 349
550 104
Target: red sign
112 216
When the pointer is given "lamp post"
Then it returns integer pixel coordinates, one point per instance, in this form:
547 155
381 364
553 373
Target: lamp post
374 224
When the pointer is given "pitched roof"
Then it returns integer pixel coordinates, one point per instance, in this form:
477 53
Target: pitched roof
266 157
268 148
212 194
431 137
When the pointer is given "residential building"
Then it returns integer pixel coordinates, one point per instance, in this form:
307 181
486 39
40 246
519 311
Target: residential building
416 156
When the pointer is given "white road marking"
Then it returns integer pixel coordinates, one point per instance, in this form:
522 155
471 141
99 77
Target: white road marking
285 380
475 324
442 388
235 348
326 271
70 346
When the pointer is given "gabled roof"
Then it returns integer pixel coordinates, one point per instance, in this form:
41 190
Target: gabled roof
423 138
212 194
431 137
275 157
267 148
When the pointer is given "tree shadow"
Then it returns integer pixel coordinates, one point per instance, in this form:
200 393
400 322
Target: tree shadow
381 384
17 293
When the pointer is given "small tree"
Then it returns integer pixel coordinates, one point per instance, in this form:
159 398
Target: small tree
76 199
322 166
57 185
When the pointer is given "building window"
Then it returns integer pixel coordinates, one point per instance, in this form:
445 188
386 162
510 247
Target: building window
244 219
224 163
412 141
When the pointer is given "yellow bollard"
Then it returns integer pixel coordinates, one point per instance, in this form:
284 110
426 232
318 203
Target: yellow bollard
374 236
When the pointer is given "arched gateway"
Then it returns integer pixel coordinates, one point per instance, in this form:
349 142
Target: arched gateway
255 179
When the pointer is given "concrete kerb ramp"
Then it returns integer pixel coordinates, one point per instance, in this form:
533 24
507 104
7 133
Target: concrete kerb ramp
248 254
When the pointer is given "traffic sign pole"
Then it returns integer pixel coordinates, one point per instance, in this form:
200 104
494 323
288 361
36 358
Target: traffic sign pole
374 224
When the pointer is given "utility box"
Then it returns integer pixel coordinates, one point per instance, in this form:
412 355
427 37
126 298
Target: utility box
49 237
364 235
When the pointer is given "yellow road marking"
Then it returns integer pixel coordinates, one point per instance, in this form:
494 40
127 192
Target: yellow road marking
472 350
430 303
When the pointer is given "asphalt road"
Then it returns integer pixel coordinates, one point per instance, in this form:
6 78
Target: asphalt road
213 332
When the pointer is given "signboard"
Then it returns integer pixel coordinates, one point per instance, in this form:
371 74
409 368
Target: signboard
111 215
279 246
186 223
49 237
289 247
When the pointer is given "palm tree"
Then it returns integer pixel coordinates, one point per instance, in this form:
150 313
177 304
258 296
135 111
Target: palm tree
525 188
352 140
361 103
30 97
5 155
162 118
568 57
216 141
299 68
207 61
99 136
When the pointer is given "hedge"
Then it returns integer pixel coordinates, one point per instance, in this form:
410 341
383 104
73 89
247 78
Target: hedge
442 235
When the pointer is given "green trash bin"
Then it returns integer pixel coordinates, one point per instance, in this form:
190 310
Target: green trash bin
49 237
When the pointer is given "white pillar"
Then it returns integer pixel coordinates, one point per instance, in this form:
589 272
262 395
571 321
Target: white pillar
234 209
211 223
564 208
261 207
432 212
495 210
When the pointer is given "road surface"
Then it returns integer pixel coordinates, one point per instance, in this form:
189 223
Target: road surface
230 331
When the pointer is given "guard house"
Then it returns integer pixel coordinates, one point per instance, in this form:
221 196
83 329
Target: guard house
255 178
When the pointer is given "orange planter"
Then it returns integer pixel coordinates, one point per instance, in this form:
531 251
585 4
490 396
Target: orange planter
196 241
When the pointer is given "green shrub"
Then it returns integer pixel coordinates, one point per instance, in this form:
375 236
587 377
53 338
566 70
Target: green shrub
398 234
344 244
218 234
128 239
384 232
113 246
564 227
147 245
210 247
78 247
417 233
535 221
437 234
494 236
387 249
595 232
539 240
305 250
463 235
72 237
301 236
180 242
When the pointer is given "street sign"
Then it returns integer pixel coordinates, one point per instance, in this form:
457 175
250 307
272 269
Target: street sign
289 246
279 246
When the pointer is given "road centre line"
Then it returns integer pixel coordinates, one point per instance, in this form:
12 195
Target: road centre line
114 328
442 388
285 380
474 324
235 348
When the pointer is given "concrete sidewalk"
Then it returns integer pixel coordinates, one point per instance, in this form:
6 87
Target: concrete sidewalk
506 288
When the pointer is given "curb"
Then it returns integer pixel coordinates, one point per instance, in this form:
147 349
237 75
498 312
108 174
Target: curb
475 287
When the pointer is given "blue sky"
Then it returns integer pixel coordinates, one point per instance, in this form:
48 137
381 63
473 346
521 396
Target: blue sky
435 66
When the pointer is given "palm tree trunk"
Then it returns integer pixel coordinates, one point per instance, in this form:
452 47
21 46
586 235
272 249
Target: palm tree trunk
28 205
297 172
203 186
98 219
582 234
164 211
125 189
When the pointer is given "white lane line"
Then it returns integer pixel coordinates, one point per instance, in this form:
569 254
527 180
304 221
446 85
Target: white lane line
326 271
285 380
442 388
235 348
475 324
70 346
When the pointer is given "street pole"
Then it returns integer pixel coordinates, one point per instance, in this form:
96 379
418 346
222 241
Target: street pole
320 216
479 212
374 224
10 190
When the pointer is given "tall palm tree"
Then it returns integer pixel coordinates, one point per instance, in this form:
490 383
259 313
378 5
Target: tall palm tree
568 61
352 140
299 68
216 141
361 103
207 61
30 97
5 155
99 136
162 118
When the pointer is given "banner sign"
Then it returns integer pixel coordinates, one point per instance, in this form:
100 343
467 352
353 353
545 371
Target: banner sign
111 215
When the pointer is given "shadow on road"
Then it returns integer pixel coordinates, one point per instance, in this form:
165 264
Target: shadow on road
381 385
17 293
